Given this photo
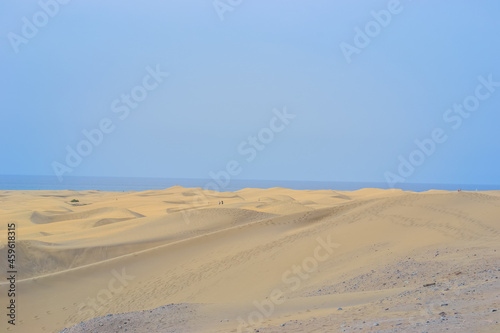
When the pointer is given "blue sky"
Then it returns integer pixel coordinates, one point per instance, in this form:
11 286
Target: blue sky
354 116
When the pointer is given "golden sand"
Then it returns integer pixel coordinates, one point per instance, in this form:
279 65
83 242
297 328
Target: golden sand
275 260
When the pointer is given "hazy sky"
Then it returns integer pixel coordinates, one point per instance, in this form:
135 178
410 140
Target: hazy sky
265 89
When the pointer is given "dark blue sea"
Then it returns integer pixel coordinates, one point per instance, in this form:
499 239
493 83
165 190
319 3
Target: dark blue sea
144 184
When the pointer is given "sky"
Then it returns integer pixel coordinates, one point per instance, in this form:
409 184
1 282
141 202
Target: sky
369 91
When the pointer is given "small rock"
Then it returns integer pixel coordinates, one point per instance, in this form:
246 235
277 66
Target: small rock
339 309
442 314
282 325
494 310
444 304
100 324
376 324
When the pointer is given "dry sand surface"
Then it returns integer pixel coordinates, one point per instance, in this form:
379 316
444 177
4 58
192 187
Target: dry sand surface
273 260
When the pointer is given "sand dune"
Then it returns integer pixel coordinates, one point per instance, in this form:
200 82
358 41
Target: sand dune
274 260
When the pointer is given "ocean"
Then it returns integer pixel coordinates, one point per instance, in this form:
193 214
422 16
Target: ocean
144 184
